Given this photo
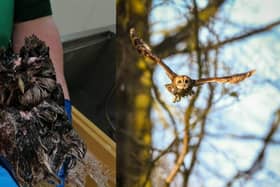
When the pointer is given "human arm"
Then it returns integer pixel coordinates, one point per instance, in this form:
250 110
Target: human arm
46 30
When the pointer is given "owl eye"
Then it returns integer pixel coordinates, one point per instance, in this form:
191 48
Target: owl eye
186 81
179 82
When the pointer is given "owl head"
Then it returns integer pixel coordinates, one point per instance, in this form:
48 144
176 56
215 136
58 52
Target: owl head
182 82
35 79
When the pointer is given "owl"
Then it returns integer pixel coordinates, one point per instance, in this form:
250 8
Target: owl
35 134
181 85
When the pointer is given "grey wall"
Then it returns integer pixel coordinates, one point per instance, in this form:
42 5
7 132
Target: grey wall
83 17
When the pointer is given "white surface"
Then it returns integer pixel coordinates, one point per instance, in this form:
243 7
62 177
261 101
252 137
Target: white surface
73 17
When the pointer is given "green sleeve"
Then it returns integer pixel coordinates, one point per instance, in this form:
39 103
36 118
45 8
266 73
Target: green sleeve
31 9
6 21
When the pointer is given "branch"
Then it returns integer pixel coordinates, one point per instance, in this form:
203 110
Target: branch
202 130
236 38
180 160
212 170
241 36
153 162
165 107
185 146
201 134
169 43
189 111
248 137
258 162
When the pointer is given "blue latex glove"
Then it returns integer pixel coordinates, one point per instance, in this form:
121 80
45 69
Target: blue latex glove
68 109
6 178
62 172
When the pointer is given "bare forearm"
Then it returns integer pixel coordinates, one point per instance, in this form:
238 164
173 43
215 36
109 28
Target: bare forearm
46 30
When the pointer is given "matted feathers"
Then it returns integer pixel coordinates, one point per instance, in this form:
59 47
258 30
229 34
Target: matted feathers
35 134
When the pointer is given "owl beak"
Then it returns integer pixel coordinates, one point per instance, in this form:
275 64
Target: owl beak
21 85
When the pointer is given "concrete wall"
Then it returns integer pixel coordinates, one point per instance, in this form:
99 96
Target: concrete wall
83 17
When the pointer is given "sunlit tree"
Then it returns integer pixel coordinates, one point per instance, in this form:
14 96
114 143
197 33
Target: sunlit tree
205 140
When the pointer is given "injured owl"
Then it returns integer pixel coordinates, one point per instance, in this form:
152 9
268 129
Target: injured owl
35 134
181 85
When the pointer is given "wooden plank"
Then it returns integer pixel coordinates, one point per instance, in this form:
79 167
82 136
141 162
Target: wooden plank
98 143
90 182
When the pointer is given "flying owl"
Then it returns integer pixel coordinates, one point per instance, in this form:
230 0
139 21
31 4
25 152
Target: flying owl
35 134
181 85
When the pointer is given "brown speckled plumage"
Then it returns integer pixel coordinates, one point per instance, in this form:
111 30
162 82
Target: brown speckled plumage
35 134
181 85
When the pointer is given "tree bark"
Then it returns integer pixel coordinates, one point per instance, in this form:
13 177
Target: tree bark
133 96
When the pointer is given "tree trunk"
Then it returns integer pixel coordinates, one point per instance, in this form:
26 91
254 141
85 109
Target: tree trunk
133 96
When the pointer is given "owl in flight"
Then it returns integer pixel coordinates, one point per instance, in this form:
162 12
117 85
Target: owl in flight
181 85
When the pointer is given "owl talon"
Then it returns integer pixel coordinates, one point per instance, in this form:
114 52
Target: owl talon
191 93
177 98
181 85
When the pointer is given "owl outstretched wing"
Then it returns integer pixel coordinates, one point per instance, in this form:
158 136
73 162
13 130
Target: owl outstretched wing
145 50
233 79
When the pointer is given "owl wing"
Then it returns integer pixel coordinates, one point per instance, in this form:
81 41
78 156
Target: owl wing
145 50
233 79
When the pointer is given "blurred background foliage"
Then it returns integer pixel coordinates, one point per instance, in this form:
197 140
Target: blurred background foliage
224 135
